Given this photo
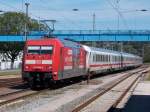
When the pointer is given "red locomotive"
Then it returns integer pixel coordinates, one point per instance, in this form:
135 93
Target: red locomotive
52 59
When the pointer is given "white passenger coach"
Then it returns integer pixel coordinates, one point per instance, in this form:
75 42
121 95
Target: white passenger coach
100 60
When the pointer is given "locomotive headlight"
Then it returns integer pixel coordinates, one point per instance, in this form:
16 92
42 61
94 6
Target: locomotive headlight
55 73
27 67
48 67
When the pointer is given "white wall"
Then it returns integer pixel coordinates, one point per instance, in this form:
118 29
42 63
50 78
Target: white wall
5 63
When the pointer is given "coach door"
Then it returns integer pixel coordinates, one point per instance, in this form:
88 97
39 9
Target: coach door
75 59
78 62
66 60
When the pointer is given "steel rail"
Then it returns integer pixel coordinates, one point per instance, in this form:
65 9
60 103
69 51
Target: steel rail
127 90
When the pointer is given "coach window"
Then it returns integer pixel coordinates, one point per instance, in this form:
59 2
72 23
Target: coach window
107 58
104 58
116 58
113 58
101 58
93 58
98 58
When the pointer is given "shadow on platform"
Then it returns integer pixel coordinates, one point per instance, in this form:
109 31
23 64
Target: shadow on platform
137 103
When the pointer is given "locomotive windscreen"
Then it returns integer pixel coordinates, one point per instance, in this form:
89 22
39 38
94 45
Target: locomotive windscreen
40 49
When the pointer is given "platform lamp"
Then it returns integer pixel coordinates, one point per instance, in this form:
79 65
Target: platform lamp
26 22
1 11
141 10
130 11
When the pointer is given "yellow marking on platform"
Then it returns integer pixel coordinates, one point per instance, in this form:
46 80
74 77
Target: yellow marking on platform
15 102
2 101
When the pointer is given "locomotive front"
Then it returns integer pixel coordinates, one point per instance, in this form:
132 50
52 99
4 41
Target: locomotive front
38 67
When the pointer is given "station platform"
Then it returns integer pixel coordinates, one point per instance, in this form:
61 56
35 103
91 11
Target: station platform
140 99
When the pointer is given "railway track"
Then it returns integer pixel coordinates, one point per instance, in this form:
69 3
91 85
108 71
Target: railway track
88 105
10 82
13 96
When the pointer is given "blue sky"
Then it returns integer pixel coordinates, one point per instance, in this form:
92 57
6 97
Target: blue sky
106 15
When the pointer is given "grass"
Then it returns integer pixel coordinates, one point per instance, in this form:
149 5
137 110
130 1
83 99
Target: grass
14 72
148 76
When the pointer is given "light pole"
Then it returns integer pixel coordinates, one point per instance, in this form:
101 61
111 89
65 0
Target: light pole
26 22
94 25
93 20
118 26
118 20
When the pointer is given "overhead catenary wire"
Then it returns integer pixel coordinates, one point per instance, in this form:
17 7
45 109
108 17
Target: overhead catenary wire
119 12
18 10
62 15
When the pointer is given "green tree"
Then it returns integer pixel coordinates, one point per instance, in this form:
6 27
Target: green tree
13 23
11 50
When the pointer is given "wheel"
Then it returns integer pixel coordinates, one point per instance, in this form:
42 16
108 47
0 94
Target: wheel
45 83
32 83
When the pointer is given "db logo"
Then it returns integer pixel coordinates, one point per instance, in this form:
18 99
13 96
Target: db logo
38 61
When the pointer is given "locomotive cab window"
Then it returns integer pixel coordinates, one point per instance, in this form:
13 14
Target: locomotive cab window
46 50
40 49
33 49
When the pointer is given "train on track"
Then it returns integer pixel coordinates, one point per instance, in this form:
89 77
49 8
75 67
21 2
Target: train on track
52 59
